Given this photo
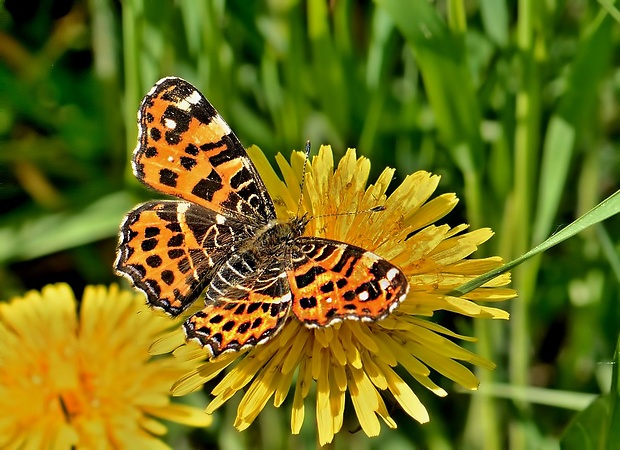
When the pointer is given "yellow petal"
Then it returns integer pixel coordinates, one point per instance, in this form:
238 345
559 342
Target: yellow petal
364 398
404 395
325 423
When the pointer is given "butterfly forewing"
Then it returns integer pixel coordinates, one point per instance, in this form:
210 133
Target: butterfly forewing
186 149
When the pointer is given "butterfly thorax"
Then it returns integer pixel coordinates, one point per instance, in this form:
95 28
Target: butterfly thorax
277 236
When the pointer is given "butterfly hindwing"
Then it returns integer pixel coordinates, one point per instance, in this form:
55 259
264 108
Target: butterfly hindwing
332 281
246 306
186 149
170 250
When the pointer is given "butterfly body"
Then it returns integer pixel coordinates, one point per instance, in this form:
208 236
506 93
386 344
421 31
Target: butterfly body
223 241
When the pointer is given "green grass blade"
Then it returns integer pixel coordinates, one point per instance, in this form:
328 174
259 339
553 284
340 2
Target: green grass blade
589 429
607 208
591 63
611 9
441 56
598 426
576 401
494 14
61 231
609 250
614 393
132 13
327 66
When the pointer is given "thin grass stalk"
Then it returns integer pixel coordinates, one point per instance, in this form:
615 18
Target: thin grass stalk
382 29
294 68
483 428
526 149
328 67
457 20
131 13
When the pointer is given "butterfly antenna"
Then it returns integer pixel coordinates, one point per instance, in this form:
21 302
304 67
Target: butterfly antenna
353 213
303 176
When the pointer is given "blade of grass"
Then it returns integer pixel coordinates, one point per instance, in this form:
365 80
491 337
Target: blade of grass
494 14
590 65
441 56
381 31
56 232
327 67
540 396
558 148
609 250
611 9
528 106
132 10
598 426
607 208
456 16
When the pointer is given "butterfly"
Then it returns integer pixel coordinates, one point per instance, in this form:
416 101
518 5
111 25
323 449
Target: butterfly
222 240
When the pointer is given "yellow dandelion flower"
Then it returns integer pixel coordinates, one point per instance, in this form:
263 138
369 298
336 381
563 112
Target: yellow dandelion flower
88 381
358 358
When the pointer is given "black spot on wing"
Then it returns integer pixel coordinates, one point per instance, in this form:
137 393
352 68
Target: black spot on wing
226 155
175 253
154 261
175 227
216 319
308 302
168 178
150 232
307 278
176 241
349 296
187 163
242 176
148 244
244 327
167 277
192 150
253 307
208 186
155 134
327 287
181 119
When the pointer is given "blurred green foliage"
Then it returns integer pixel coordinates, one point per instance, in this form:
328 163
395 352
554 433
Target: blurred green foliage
515 104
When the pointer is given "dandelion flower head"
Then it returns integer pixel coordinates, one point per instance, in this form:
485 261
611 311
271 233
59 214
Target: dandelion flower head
87 381
355 358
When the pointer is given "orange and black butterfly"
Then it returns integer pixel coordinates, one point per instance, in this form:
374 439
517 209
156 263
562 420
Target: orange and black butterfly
223 241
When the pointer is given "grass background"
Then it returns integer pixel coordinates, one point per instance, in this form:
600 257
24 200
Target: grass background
514 103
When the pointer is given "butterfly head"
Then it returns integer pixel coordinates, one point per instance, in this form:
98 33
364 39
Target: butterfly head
298 224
